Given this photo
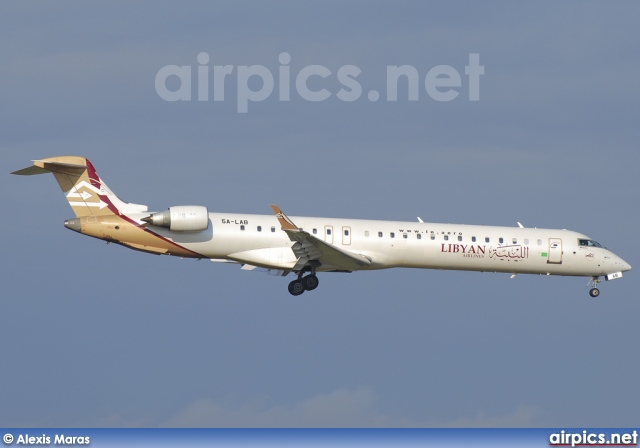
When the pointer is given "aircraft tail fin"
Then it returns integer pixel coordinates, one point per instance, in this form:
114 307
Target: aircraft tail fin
86 193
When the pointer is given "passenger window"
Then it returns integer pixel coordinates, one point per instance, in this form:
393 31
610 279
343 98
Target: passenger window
366 233
242 227
392 235
346 232
487 239
380 234
404 235
446 237
419 236
433 236
315 231
273 229
473 239
328 231
259 228
539 242
459 237
501 240
526 241
515 241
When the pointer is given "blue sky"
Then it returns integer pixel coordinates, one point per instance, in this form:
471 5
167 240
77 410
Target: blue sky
97 335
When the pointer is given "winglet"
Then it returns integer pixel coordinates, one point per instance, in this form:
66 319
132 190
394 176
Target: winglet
285 222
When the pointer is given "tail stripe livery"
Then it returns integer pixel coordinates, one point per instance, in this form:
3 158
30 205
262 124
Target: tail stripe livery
96 206
86 193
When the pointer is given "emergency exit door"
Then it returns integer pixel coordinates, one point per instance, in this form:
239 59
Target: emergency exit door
346 235
328 234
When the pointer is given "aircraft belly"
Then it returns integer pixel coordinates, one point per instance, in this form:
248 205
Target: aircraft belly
267 257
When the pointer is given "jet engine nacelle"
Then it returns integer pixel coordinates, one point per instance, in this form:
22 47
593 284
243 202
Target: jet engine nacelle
183 218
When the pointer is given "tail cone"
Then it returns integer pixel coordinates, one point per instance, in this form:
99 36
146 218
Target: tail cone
73 224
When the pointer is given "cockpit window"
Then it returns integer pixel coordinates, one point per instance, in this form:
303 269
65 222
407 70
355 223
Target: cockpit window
589 243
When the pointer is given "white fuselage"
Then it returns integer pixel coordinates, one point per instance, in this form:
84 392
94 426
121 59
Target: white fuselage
257 240
305 245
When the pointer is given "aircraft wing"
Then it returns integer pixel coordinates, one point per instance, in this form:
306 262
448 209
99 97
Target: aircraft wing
309 248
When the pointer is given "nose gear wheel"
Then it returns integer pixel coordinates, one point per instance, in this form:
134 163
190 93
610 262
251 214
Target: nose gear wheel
594 291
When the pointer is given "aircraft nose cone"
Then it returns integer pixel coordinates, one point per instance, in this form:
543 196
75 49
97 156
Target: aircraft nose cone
620 264
73 224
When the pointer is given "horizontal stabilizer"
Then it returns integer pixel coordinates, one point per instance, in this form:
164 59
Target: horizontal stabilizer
48 166
30 171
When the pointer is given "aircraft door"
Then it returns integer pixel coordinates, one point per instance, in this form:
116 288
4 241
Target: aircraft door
328 234
555 250
346 235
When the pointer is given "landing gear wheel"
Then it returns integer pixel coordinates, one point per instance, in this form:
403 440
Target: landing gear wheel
296 288
593 283
310 282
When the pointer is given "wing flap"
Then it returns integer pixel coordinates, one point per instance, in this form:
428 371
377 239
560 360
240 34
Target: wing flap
310 248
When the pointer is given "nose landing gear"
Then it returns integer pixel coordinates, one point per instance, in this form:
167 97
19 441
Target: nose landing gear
594 291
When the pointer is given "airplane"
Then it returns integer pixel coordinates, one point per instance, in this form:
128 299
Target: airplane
306 246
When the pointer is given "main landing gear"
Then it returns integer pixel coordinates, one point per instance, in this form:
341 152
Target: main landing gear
302 284
594 291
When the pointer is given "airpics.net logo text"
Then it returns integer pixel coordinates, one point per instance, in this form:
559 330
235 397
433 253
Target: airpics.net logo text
255 83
